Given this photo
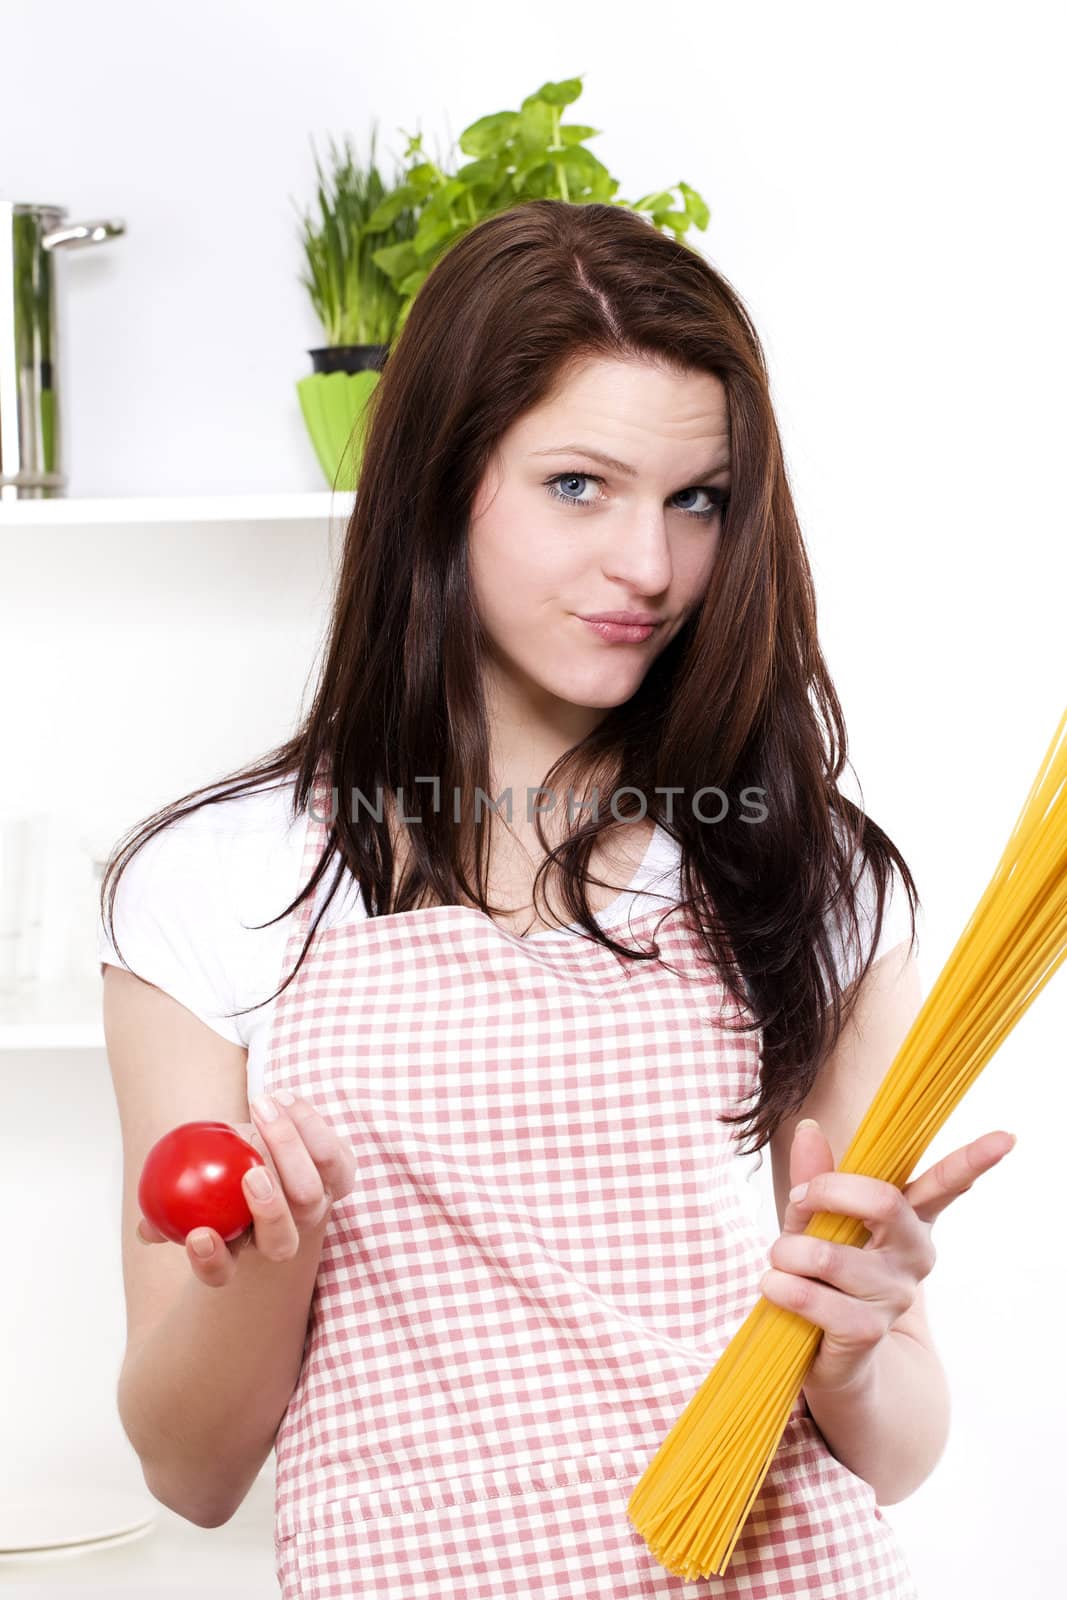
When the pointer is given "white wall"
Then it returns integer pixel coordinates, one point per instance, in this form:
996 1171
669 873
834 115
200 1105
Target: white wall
884 186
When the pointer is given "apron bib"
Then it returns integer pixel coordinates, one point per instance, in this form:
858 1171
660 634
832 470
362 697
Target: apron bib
542 1258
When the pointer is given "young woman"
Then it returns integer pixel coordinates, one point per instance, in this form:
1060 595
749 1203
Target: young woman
596 902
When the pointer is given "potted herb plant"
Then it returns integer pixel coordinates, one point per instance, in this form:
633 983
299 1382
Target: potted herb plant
373 250
518 155
356 302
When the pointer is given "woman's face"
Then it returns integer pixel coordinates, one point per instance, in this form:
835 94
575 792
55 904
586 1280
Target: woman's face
618 540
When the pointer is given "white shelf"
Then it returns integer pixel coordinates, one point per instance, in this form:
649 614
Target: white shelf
71 511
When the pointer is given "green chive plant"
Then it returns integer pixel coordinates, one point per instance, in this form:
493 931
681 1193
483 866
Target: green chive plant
354 299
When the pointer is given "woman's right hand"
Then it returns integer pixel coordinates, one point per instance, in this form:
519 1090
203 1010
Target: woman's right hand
310 1168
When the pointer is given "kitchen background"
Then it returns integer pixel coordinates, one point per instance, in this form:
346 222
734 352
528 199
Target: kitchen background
882 186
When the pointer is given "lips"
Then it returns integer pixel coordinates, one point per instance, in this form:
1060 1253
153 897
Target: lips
632 619
621 632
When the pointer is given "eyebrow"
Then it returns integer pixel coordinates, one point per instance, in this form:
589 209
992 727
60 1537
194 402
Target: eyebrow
613 463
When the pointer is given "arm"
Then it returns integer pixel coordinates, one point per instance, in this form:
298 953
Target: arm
890 1426
202 1394
213 1348
876 1387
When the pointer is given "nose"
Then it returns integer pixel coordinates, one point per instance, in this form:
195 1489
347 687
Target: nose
638 554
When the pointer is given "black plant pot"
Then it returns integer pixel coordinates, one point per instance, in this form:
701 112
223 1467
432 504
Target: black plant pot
349 358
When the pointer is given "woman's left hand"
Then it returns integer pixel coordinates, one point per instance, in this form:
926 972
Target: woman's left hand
856 1294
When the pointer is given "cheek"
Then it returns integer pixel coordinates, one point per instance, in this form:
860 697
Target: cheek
517 565
694 569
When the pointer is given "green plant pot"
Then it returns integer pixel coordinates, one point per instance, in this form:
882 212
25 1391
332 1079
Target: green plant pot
334 406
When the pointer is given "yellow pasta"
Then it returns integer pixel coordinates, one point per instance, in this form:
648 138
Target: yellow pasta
692 1500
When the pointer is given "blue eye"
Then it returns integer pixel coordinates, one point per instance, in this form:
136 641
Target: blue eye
720 497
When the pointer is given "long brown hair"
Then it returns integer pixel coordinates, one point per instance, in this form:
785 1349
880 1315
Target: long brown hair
740 698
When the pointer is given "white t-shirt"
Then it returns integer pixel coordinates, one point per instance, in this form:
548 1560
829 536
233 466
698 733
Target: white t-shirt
187 903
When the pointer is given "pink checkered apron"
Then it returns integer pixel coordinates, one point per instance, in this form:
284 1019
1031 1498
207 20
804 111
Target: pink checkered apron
541 1260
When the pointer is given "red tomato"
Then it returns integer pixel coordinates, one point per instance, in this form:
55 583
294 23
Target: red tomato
192 1179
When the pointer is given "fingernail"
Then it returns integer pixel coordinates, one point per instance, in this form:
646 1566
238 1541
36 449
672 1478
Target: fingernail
798 1192
203 1244
258 1180
807 1122
264 1106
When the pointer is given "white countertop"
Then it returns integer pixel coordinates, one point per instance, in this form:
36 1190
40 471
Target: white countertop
173 1558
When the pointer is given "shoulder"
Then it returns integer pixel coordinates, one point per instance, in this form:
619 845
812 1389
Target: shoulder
207 857
186 899
264 811
251 837
851 945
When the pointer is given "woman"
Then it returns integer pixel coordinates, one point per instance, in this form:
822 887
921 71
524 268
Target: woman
595 890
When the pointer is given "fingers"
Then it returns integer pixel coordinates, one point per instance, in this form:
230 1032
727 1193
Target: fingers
864 1275
850 1193
273 1229
901 1216
307 1167
954 1174
888 1217
334 1161
312 1165
218 1266
858 1323
809 1154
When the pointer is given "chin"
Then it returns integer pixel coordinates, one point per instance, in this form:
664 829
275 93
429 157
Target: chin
596 694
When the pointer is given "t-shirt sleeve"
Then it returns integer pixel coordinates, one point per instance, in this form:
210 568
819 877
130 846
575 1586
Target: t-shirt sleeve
175 926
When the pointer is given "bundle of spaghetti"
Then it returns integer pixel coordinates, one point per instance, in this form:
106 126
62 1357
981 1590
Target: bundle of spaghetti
692 1500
